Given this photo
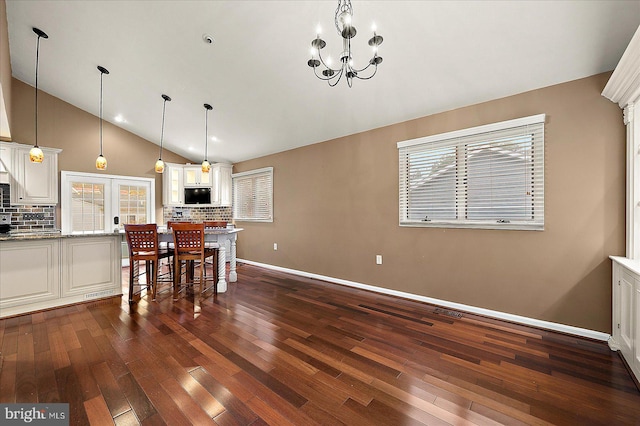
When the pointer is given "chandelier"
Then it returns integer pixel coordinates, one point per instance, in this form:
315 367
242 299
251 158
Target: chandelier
343 22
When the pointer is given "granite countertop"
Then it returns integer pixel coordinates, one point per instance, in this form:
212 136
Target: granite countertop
42 235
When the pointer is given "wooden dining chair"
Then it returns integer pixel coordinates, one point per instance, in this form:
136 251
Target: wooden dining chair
215 224
189 245
143 247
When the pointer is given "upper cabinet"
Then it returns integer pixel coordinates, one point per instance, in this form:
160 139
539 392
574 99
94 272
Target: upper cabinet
176 177
195 177
222 185
5 163
172 186
30 183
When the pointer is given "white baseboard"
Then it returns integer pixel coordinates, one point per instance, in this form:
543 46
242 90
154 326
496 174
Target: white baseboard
562 328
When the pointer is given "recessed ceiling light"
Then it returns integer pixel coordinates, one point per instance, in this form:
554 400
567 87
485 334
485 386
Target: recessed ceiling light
208 39
214 139
120 119
190 148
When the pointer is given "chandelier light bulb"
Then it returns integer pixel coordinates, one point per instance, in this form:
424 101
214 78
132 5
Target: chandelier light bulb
318 30
313 51
374 27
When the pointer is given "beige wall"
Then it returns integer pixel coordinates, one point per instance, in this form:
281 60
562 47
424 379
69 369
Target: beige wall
76 132
336 207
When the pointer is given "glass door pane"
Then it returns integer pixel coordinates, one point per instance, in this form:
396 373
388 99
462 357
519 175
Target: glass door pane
88 207
133 202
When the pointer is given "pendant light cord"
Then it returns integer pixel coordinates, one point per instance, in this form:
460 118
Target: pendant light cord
36 107
206 134
101 75
164 106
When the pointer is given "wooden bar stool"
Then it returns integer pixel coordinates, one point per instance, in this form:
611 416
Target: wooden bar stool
189 246
143 246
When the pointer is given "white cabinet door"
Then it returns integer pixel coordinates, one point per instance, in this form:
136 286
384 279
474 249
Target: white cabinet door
626 283
194 176
635 365
34 183
221 192
225 184
626 311
29 274
91 267
172 185
5 163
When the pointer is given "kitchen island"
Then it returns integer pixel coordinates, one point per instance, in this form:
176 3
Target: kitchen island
45 270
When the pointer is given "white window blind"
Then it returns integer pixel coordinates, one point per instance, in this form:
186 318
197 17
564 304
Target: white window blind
253 195
487 177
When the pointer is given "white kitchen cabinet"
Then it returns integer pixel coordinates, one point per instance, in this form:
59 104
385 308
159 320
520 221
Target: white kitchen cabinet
195 177
222 184
5 162
172 185
626 311
30 274
34 183
56 270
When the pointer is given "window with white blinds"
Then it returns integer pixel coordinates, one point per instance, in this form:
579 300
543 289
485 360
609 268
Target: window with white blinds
489 176
253 195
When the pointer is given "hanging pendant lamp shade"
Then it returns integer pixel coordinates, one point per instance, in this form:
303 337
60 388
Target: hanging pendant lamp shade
35 154
159 167
206 166
101 162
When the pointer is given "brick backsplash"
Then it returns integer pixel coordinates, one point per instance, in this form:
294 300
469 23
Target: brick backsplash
18 220
197 214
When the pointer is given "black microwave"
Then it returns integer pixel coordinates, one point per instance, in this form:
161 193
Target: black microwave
197 195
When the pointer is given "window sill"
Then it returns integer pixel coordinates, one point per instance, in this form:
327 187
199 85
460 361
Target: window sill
514 226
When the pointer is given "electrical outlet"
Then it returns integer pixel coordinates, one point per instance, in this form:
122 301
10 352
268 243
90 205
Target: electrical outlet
33 216
275 246
378 259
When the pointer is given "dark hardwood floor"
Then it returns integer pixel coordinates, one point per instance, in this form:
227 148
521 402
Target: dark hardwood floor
280 349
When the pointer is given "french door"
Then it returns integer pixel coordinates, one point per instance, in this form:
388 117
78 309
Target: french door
95 203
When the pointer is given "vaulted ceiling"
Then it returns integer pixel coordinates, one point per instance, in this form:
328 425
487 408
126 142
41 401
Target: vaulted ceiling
438 55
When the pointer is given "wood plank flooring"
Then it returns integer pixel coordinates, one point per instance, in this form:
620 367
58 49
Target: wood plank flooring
279 349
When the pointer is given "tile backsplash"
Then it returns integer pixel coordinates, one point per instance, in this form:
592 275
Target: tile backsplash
197 214
27 218
39 218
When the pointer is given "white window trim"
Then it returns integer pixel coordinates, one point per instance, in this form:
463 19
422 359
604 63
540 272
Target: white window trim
263 170
513 224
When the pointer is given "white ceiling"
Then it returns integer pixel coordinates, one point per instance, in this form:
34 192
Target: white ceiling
438 55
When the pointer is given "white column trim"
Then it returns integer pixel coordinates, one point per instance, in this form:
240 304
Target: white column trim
623 88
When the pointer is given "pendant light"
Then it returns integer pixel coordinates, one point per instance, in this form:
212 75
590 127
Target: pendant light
205 164
35 154
160 164
101 162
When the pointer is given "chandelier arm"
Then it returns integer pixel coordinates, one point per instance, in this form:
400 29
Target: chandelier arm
339 77
370 77
329 78
324 63
369 64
